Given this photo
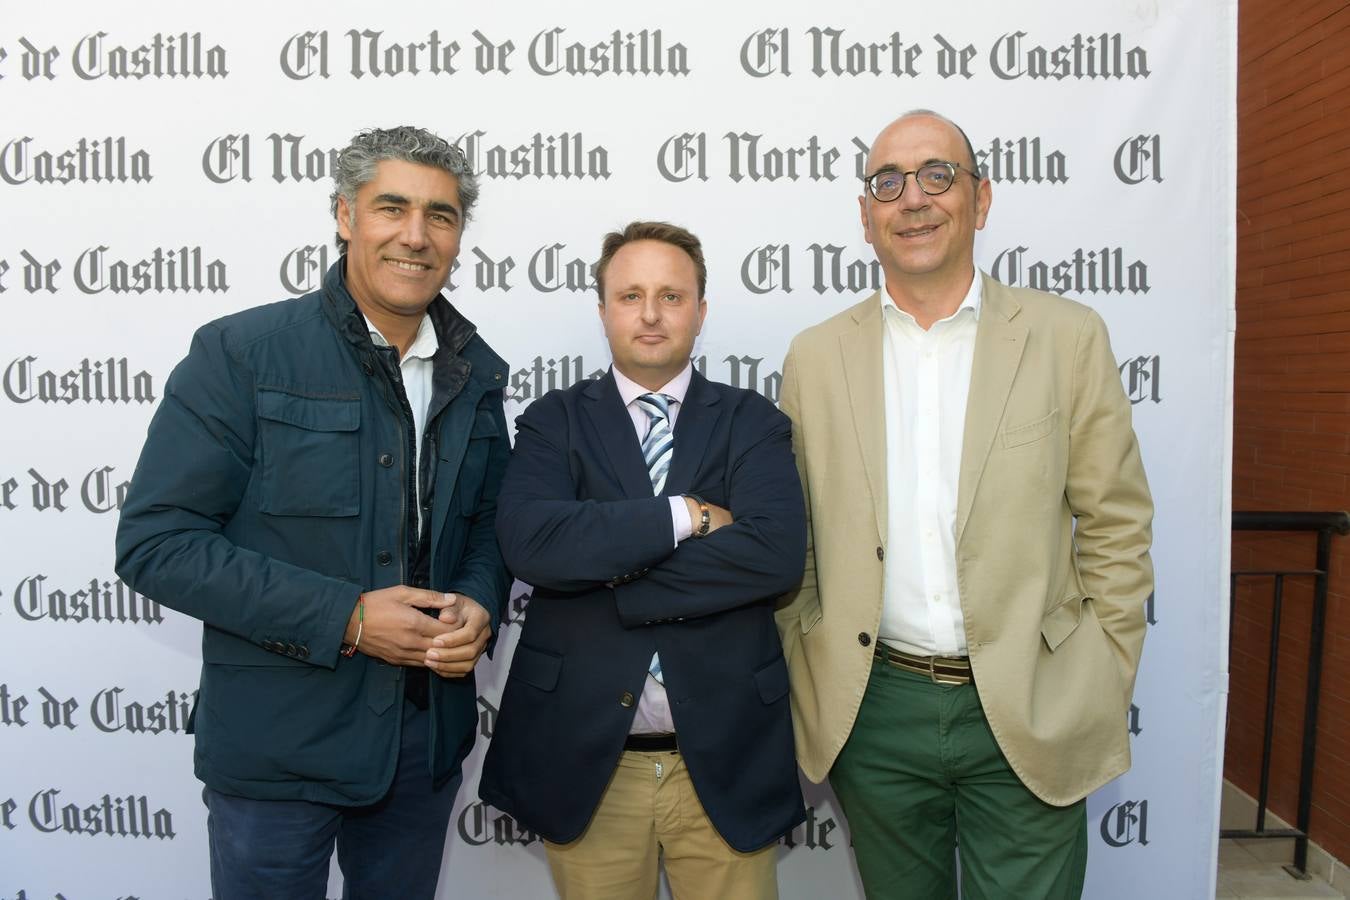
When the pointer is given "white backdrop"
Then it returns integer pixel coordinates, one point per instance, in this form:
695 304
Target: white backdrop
164 164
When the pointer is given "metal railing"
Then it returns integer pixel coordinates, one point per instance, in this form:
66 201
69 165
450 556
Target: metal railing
1325 524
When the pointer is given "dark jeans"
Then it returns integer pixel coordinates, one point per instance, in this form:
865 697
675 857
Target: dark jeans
280 849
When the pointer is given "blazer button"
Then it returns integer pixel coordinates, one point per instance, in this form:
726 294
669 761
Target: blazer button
303 651
881 554
864 638
384 557
626 699
386 459
367 368
291 649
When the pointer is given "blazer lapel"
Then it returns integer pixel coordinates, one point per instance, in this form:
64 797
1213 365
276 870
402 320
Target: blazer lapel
999 343
860 353
693 427
613 430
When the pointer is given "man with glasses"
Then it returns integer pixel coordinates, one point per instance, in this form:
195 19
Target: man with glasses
964 645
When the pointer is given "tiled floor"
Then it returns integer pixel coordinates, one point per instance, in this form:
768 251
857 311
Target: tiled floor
1253 870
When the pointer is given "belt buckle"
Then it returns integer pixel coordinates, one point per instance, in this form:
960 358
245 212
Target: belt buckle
938 678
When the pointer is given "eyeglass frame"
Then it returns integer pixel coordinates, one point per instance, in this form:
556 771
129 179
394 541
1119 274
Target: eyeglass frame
869 181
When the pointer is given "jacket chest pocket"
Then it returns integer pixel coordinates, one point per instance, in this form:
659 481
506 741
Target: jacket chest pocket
310 452
473 466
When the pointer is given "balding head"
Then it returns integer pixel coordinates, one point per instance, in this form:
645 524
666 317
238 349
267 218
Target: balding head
968 162
925 241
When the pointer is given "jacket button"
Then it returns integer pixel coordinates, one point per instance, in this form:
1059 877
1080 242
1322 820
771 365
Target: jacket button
384 557
367 368
386 459
626 699
303 651
881 554
864 638
291 649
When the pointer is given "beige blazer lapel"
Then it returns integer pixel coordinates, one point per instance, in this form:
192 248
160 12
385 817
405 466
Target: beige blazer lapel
999 342
860 354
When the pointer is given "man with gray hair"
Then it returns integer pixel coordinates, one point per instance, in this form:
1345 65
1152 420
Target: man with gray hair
319 487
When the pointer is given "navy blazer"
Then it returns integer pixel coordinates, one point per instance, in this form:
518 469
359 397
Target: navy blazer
577 520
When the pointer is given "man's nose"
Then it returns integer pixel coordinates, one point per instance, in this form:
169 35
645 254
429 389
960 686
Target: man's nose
651 310
414 230
913 197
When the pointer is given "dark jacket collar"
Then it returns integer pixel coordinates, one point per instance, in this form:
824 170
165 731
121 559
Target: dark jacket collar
453 330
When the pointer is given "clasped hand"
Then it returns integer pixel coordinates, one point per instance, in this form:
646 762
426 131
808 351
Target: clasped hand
396 630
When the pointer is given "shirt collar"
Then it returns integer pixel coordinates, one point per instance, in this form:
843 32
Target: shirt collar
423 346
973 301
676 388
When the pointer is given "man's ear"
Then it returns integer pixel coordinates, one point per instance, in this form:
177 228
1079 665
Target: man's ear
344 218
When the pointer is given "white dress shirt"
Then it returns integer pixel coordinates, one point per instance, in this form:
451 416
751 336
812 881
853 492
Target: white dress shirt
927 379
653 712
416 370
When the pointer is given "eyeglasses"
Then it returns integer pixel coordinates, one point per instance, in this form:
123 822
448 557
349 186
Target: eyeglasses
932 179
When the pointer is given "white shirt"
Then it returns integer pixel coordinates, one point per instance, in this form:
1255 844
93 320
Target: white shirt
653 712
416 369
927 380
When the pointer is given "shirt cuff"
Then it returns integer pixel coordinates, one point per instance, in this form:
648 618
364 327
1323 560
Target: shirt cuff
679 518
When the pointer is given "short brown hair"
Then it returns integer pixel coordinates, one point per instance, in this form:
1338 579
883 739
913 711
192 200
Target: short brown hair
664 232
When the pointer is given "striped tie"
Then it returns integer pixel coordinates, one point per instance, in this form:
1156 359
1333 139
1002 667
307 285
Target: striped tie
657 449
659 444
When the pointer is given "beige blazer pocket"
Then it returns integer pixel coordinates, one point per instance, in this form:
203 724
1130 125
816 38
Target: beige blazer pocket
810 616
1061 621
1018 435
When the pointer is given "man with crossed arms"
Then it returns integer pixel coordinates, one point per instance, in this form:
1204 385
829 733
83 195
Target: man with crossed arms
658 515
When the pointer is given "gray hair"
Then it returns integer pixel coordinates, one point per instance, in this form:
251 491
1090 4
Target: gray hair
357 161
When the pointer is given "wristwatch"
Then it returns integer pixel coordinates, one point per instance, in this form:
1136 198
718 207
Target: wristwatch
704 516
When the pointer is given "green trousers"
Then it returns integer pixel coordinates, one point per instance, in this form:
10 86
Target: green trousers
922 773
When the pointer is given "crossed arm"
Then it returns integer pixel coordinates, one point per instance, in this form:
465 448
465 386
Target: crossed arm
552 539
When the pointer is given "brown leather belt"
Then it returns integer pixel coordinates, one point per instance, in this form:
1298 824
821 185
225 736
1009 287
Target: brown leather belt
940 669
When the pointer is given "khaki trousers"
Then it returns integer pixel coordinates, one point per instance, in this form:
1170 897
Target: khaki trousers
649 812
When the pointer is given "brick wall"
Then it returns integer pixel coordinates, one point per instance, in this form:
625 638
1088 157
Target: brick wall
1291 442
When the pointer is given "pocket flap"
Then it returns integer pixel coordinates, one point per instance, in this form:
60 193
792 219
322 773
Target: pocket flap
484 425
538 668
1061 621
311 413
772 680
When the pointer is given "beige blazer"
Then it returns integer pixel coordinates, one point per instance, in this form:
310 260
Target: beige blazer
1054 613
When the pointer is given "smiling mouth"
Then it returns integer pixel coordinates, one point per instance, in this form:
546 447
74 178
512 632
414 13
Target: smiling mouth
409 265
917 232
